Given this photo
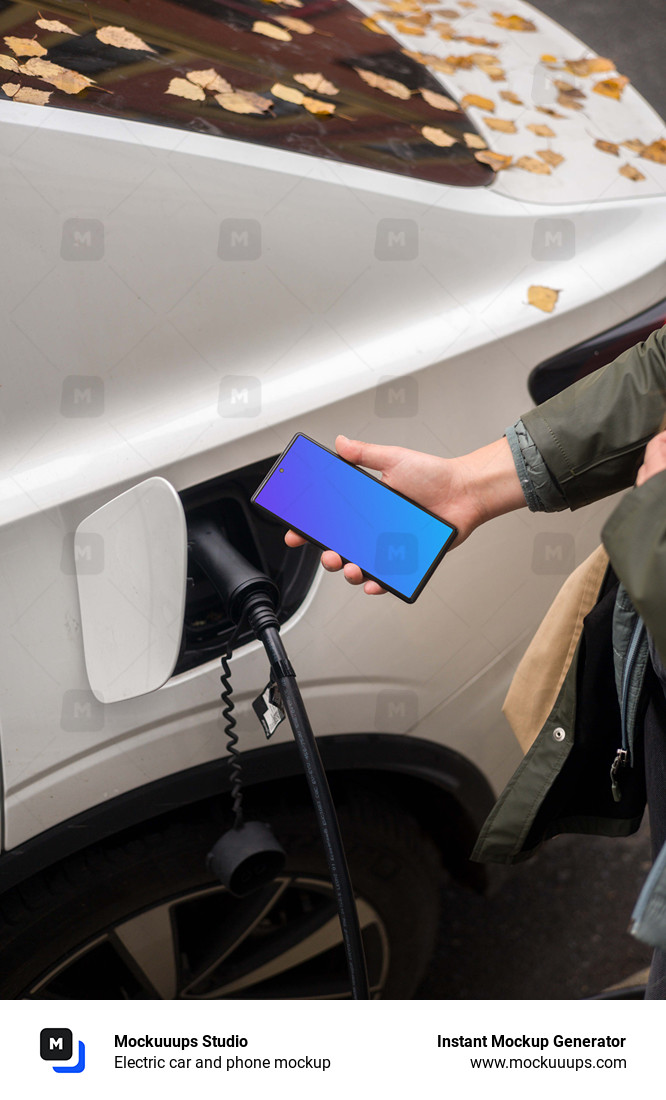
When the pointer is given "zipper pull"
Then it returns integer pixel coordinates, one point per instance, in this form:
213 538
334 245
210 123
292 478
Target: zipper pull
619 762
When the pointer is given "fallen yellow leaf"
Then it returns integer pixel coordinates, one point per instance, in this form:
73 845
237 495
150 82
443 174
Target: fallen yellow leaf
65 80
477 101
24 47
316 82
542 297
55 25
505 125
548 57
210 80
607 147
122 39
612 88
441 102
183 88
473 141
550 112
540 129
656 151
438 137
373 26
634 145
532 164
298 26
318 106
631 172
269 30
403 27
291 95
511 97
244 103
513 22
570 101
10 63
32 95
391 87
550 157
497 161
587 65
10 89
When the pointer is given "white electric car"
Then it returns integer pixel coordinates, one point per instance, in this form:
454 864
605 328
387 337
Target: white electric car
223 222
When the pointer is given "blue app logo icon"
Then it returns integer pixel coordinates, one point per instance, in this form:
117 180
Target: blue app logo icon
56 1044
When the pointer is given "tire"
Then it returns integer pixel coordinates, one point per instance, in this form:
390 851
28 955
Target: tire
139 917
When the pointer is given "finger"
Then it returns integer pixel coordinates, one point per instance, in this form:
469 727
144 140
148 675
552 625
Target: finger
373 589
331 561
353 574
292 539
373 455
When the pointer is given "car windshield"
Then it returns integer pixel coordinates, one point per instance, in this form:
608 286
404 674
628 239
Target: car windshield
315 78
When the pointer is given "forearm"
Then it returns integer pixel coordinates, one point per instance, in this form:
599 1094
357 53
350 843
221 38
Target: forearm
491 474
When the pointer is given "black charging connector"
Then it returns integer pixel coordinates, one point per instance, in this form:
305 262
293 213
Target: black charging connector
248 594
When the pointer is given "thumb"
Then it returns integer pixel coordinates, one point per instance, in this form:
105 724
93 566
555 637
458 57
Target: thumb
373 455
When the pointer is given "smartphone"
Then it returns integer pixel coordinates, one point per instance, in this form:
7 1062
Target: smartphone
339 507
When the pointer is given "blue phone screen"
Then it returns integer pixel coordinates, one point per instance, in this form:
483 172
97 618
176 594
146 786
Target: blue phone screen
354 514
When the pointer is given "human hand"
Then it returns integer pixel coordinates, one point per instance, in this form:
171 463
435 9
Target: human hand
463 491
654 459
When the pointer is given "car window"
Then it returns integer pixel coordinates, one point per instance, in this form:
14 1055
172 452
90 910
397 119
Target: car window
314 78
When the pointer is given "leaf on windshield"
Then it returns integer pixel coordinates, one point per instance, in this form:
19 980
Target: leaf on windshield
474 141
122 39
511 97
32 95
588 65
513 22
316 82
550 157
533 164
477 101
298 26
269 30
441 102
631 172
542 297
384 83
10 63
65 80
183 88
24 47
656 151
613 87
504 125
540 129
55 25
10 89
244 103
210 80
438 137
497 161
318 106
607 147
291 95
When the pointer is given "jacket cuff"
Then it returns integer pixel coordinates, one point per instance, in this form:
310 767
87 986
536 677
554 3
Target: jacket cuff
541 491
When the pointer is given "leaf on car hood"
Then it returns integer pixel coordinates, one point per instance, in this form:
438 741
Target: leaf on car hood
371 25
474 141
540 129
587 65
441 102
511 97
65 80
210 80
384 83
55 25
316 82
533 164
505 125
24 47
10 63
497 161
634 145
298 26
32 95
185 89
244 103
542 297
550 156
318 106
269 30
438 137
613 87
10 89
477 101
513 22
122 39
656 151
607 147
631 172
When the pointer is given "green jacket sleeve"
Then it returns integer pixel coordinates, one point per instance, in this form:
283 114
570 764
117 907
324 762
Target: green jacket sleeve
635 537
593 434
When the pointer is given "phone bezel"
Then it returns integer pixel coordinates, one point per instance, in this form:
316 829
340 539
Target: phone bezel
369 576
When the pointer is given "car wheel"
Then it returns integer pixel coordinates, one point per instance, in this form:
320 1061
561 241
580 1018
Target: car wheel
141 917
